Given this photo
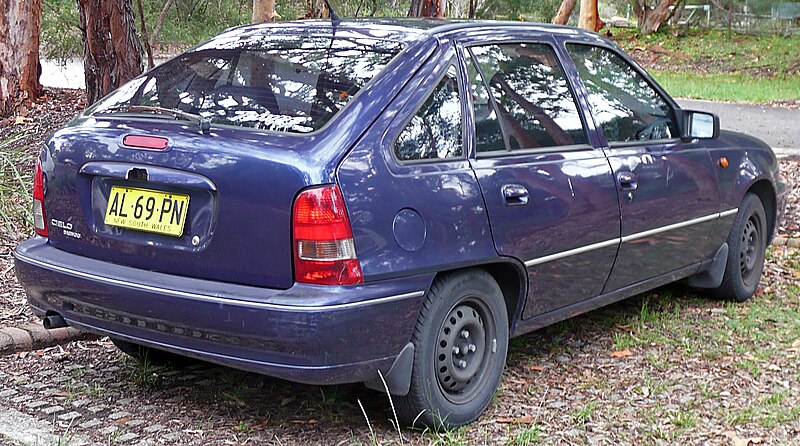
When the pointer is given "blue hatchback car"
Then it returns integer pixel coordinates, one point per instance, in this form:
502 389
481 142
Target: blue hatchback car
387 200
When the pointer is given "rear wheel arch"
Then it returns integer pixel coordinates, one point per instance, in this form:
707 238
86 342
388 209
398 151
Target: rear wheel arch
512 279
765 192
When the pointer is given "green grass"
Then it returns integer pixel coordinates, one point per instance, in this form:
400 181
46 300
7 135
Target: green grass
710 51
16 184
705 64
728 87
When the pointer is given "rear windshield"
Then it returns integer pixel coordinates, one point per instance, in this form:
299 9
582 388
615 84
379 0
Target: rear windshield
289 83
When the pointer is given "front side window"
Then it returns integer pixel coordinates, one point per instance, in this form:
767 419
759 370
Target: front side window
624 104
531 96
278 82
435 130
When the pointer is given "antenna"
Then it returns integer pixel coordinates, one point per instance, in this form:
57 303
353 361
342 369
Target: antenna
334 17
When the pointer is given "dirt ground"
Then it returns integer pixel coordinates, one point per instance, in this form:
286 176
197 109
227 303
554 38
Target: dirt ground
666 367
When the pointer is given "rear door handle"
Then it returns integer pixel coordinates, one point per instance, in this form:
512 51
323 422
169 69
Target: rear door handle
515 194
627 181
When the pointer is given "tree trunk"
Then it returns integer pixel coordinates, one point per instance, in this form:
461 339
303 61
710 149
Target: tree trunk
316 9
564 12
20 26
426 8
112 53
263 11
590 17
655 18
143 26
161 19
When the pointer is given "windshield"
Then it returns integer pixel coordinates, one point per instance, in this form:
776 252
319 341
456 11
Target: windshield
286 83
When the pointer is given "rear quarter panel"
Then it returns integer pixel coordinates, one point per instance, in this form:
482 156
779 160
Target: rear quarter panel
437 206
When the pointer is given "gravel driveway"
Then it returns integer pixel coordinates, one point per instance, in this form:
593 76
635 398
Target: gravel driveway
777 126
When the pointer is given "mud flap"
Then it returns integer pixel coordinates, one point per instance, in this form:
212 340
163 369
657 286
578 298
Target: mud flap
398 379
712 276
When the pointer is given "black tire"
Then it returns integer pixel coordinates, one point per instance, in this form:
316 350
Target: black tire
150 355
747 243
460 344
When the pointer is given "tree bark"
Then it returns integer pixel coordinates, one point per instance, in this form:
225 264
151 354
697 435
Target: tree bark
143 26
426 8
655 18
112 53
590 17
20 27
564 12
263 11
316 9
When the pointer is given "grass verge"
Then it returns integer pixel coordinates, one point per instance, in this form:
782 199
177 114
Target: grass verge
728 87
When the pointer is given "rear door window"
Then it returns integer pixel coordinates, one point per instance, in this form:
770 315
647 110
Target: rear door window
624 104
434 132
522 87
286 83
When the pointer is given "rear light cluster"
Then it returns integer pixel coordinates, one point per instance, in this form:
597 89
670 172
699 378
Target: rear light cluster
324 251
39 217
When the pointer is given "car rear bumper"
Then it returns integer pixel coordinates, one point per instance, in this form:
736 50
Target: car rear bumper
310 334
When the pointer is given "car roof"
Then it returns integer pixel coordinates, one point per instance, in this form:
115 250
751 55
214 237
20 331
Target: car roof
408 29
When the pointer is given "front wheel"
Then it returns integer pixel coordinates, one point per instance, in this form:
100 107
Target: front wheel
460 344
747 244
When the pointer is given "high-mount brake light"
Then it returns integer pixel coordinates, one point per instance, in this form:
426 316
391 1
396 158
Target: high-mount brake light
39 216
324 250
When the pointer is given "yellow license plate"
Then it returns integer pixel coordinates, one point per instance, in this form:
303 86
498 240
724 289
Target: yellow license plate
147 210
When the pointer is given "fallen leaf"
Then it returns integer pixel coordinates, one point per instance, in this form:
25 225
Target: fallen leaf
260 425
774 368
796 344
21 120
527 419
123 420
536 368
621 353
738 441
312 421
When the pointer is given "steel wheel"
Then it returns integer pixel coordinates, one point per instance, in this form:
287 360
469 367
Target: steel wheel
462 352
460 345
750 253
747 243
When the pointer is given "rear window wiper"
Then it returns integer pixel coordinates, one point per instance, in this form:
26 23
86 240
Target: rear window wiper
204 123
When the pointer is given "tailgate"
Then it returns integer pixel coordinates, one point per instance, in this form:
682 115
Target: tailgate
209 206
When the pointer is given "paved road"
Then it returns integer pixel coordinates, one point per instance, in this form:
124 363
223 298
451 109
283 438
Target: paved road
777 126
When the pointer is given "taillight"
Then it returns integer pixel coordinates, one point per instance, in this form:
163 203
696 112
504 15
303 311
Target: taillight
324 251
39 217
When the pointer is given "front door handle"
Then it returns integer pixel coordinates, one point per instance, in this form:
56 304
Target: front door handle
515 194
627 181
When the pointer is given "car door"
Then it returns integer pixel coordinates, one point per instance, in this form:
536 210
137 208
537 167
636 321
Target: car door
550 196
667 189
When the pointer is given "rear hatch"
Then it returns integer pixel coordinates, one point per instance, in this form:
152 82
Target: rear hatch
140 179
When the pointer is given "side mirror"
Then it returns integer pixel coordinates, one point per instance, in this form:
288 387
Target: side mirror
698 124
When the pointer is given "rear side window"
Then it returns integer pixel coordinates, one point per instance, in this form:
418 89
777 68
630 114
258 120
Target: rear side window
435 130
624 104
286 83
488 134
530 96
